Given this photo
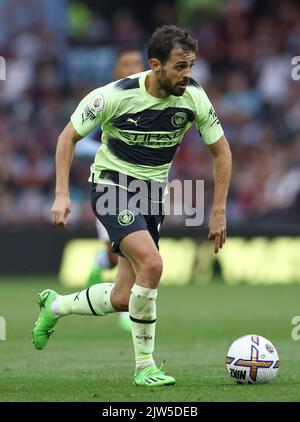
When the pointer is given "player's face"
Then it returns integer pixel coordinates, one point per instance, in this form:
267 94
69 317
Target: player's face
129 63
176 71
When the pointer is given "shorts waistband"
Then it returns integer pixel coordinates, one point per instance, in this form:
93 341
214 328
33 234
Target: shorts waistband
124 180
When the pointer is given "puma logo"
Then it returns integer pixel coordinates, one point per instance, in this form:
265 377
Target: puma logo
77 296
133 121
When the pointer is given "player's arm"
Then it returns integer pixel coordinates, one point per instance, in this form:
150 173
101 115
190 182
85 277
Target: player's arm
90 113
64 156
222 173
212 133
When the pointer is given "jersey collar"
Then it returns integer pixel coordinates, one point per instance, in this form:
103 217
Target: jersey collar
146 93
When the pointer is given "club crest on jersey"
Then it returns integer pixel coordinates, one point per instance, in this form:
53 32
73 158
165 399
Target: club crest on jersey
125 217
97 103
179 119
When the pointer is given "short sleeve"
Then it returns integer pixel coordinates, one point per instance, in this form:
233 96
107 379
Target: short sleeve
207 121
91 112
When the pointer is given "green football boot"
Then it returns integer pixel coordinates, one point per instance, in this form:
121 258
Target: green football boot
151 376
46 320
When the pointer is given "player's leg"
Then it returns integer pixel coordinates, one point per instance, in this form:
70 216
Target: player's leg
104 258
123 321
125 279
141 251
95 300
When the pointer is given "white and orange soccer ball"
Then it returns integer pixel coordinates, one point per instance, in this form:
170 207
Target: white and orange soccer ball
252 359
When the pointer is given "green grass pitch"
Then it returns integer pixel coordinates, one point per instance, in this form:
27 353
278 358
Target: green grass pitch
91 359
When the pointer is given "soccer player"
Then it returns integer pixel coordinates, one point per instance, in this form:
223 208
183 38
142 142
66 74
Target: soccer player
144 118
129 61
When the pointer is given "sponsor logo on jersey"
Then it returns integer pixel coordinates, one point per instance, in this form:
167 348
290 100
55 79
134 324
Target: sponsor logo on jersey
155 139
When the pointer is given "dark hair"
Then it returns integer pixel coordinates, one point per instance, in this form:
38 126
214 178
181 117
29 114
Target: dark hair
165 38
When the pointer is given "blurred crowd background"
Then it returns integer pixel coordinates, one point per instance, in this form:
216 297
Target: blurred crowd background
56 51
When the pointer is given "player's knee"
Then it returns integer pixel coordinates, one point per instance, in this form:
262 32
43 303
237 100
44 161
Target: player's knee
152 265
156 266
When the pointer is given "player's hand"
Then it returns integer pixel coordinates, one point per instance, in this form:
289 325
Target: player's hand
60 210
217 229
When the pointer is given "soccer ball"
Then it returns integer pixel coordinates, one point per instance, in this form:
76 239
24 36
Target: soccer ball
252 359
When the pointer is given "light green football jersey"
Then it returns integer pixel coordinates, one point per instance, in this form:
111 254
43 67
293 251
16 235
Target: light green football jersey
141 133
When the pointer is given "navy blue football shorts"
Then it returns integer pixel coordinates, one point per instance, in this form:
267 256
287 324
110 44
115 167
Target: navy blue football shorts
113 207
